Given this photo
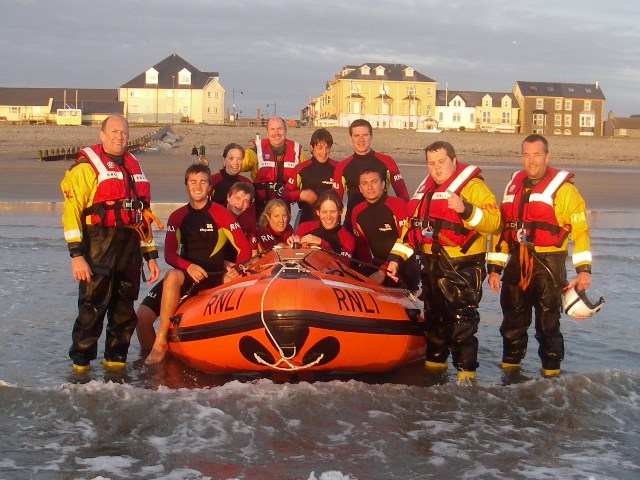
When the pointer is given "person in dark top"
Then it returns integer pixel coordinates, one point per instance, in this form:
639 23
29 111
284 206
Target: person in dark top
273 226
327 231
309 179
346 177
239 200
377 223
229 174
194 245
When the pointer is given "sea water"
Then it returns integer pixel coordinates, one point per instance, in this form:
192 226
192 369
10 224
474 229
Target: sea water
172 422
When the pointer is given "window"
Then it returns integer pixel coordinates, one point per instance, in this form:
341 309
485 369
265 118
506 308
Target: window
506 102
456 102
456 117
429 92
184 77
506 117
587 121
486 117
380 70
408 72
558 104
134 109
354 87
134 93
538 119
365 70
411 91
440 116
568 104
567 120
557 120
587 105
151 76
539 103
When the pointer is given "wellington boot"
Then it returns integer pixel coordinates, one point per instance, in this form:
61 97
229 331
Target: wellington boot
464 375
429 365
550 372
111 364
509 366
80 368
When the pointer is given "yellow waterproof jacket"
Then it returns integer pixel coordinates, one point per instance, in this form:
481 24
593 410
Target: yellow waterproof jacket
481 214
79 187
569 209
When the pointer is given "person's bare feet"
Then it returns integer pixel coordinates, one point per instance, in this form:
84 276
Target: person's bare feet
157 353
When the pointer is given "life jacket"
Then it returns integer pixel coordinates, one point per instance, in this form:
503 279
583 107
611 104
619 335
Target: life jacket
529 217
122 191
435 222
271 174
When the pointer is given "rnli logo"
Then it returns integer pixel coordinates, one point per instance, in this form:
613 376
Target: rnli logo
512 188
267 156
111 165
386 228
207 228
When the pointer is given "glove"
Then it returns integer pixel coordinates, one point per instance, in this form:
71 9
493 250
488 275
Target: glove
143 227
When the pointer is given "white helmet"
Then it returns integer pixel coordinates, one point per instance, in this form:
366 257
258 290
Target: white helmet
576 304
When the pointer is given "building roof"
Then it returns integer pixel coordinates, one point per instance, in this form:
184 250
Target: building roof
561 90
92 108
41 96
168 70
628 123
392 72
472 99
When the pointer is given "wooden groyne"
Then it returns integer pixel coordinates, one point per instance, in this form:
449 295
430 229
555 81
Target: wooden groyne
70 153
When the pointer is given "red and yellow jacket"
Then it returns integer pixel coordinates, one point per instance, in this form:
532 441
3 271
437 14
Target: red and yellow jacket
97 191
546 215
459 234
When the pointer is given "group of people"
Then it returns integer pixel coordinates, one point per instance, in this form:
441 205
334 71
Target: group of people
444 240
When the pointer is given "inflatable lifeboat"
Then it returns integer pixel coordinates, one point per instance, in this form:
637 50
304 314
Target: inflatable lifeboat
297 309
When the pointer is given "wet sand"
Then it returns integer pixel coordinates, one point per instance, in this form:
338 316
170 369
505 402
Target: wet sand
607 170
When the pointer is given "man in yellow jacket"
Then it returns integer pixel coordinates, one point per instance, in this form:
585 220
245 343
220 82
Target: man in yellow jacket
451 214
106 196
541 209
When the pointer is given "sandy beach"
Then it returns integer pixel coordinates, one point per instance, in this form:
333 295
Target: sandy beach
607 169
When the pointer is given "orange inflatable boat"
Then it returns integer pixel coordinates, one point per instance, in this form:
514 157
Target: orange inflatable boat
298 309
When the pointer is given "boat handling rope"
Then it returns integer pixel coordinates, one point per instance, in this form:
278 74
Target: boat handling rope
284 363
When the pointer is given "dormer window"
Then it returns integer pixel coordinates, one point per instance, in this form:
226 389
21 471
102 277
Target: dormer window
487 101
151 76
380 71
365 70
408 72
184 77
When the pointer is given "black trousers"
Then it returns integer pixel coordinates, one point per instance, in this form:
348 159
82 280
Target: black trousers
453 288
115 260
542 295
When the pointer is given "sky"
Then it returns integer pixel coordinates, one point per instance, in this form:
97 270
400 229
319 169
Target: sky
280 53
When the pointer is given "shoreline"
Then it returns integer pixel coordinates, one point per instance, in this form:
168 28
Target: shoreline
607 170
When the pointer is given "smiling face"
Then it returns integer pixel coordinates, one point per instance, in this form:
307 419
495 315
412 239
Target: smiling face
278 219
321 151
440 165
276 132
534 159
233 161
361 139
114 135
238 202
198 188
328 214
